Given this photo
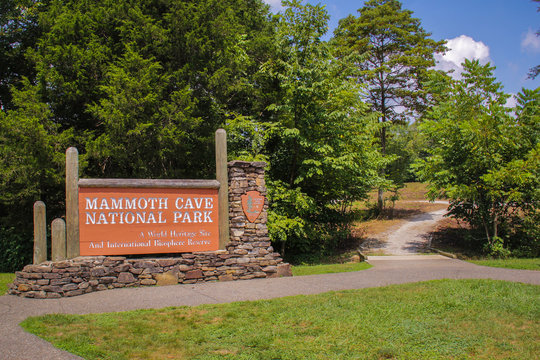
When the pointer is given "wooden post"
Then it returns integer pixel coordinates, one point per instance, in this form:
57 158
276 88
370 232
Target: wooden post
222 177
58 232
40 233
72 203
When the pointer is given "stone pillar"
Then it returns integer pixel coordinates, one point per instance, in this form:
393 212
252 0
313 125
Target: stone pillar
223 196
248 237
72 203
40 233
58 242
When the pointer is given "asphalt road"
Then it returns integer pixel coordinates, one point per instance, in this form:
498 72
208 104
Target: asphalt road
15 343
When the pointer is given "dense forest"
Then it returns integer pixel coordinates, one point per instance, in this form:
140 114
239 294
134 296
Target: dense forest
139 87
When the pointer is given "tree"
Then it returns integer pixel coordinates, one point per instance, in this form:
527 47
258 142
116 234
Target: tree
315 135
143 126
483 158
202 51
30 170
139 87
396 55
19 31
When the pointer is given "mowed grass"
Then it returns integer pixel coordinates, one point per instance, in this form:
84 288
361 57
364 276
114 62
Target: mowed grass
523 264
299 270
411 191
443 319
5 279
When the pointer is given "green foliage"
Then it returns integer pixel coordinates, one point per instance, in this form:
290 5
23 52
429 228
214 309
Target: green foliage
399 54
145 129
149 81
19 31
16 247
485 159
31 169
315 134
139 87
405 143
396 54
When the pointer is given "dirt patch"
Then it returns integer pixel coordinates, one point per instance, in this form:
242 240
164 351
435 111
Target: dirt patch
453 236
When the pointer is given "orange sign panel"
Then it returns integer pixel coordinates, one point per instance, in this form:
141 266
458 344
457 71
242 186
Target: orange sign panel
121 221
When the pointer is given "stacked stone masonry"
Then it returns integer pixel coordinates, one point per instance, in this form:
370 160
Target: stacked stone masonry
248 255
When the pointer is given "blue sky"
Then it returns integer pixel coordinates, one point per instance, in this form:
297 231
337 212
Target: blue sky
499 31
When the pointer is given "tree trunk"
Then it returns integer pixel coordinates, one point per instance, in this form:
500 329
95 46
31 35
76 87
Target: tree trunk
486 228
382 172
495 222
380 199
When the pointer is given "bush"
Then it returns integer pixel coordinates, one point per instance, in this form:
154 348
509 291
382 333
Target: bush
16 249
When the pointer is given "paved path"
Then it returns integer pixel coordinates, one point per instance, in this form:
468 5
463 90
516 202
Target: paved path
17 344
412 237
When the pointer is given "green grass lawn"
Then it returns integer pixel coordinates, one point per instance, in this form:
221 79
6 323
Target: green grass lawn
523 264
443 319
5 279
299 270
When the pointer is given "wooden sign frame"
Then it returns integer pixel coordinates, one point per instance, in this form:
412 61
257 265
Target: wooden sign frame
74 207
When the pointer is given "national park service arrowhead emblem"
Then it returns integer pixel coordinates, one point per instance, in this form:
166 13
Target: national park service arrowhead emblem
252 204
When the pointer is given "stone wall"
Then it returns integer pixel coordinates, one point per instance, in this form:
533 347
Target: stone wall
249 254
248 238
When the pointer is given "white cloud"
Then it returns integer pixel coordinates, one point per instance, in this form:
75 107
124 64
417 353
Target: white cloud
530 42
461 48
275 5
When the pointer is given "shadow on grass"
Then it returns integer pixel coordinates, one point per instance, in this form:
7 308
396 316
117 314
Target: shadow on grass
456 238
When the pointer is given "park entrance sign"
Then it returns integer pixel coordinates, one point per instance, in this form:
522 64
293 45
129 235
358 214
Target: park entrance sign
123 217
146 216
142 232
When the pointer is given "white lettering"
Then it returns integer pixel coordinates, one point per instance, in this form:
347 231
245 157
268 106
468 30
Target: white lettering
152 202
104 204
129 221
90 218
151 218
179 203
130 204
186 218
113 216
116 204
189 204
141 217
102 219
91 204
163 203
142 205
160 220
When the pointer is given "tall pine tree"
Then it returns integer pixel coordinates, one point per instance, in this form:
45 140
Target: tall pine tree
396 53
